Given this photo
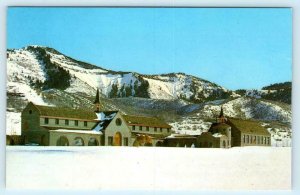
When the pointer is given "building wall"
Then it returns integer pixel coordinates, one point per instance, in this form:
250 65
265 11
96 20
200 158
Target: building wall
206 140
180 142
71 125
236 137
255 140
54 136
224 142
113 128
30 127
151 130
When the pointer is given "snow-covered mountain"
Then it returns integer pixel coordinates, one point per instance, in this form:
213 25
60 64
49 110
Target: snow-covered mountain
47 77
31 66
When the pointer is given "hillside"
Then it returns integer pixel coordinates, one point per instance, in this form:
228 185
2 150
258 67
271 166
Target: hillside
281 92
45 76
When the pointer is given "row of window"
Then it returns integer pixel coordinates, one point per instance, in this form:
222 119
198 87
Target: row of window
147 128
66 122
110 141
253 139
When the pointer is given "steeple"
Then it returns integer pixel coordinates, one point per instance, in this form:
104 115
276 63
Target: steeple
221 118
221 113
97 102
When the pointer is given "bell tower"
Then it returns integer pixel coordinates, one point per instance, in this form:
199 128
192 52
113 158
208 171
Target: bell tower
97 102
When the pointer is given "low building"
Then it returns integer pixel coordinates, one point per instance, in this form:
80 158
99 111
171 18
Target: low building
46 125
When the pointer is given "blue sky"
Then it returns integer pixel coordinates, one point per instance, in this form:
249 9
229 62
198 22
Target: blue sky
233 47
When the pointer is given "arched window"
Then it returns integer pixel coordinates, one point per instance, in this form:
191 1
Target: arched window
78 141
118 122
93 142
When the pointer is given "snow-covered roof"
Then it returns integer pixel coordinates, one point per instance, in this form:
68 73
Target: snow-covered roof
104 120
180 136
107 115
77 131
218 135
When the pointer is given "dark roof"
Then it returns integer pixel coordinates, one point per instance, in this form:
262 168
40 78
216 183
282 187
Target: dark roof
247 126
218 128
66 112
145 121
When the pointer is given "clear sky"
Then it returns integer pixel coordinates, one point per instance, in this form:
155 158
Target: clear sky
233 47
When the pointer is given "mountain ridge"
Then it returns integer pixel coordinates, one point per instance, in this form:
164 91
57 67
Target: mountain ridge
186 102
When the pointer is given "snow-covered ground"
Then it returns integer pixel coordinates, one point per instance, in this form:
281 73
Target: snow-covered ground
258 168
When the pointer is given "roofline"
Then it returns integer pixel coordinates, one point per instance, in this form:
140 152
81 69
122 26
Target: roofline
132 124
266 132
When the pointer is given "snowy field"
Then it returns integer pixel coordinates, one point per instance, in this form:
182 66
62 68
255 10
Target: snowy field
258 168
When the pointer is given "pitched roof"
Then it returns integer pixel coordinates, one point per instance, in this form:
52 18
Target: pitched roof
145 121
66 112
248 126
104 119
218 128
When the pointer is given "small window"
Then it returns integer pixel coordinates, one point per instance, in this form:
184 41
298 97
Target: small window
46 120
66 122
76 122
168 130
160 129
85 123
155 129
125 141
110 140
133 127
268 141
118 121
147 128
141 128
30 111
247 139
56 121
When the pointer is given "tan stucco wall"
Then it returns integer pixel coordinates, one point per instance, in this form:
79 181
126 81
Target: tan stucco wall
51 123
112 129
164 131
54 136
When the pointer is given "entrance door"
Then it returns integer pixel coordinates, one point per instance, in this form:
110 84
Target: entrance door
118 139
